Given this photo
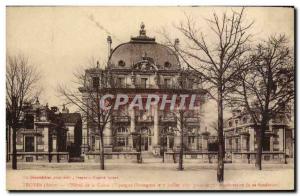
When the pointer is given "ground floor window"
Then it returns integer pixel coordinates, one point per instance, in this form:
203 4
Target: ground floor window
29 144
122 141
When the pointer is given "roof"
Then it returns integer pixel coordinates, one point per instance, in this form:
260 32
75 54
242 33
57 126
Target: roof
70 117
141 48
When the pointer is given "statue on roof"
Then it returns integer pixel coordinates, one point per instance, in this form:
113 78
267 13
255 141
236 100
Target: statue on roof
142 30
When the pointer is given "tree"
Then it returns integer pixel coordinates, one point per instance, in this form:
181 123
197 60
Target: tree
214 60
265 89
182 113
88 100
21 86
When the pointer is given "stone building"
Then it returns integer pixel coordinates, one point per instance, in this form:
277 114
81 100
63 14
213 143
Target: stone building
73 124
143 66
42 134
240 138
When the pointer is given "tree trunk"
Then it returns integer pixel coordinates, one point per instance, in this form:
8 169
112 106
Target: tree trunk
180 166
260 138
220 169
101 152
14 143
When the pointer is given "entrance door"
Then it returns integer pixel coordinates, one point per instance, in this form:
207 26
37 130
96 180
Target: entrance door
145 138
29 144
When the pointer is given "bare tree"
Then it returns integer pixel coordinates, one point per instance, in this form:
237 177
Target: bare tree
215 59
266 88
88 99
21 87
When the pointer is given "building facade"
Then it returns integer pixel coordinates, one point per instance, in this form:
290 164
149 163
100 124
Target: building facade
241 138
42 134
143 66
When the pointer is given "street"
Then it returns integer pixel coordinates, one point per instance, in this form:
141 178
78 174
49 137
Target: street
150 175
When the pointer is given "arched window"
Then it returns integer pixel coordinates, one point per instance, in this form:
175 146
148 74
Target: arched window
121 130
121 137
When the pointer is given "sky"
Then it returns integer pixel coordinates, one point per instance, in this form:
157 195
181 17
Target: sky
61 40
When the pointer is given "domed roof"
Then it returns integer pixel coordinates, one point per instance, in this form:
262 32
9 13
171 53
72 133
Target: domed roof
140 49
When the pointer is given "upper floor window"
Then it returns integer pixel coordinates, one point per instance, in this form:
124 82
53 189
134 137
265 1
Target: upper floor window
122 130
144 82
120 82
230 124
167 82
95 82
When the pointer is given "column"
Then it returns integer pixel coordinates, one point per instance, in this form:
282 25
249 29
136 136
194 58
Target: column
241 144
281 140
271 143
177 135
225 143
54 142
46 134
85 140
204 143
35 143
168 142
251 140
155 127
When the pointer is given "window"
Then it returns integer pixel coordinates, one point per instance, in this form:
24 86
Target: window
29 121
236 122
95 82
29 144
121 63
167 82
121 141
230 124
120 82
144 82
191 140
122 130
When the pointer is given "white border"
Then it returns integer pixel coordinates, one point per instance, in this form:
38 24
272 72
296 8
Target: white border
5 3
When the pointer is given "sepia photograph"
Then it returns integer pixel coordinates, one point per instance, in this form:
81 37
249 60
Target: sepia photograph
150 98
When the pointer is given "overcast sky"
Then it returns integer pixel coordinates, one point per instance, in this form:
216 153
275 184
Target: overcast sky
59 40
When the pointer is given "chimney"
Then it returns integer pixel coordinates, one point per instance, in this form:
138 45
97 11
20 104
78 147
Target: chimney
54 109
109 42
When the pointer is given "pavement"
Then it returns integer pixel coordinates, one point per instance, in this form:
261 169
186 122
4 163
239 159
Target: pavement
149 175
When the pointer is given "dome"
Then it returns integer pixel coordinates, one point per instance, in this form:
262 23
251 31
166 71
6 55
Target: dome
140 49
